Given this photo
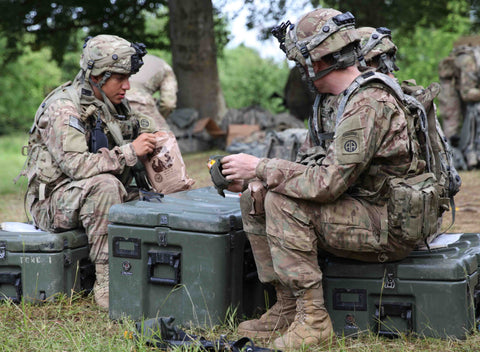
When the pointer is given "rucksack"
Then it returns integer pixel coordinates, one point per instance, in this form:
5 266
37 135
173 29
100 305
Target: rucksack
284 144
428 144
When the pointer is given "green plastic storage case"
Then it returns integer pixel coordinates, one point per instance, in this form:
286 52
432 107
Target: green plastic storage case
185 256
430 293
39 265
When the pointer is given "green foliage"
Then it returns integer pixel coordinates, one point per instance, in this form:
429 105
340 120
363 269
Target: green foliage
55 24
404 15
12 162
248 80
421 51
419 56
24 84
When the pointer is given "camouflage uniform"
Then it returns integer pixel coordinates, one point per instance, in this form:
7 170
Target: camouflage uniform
449 102
334 197
155 76
317 205
70 186
459 102
142 101
379 52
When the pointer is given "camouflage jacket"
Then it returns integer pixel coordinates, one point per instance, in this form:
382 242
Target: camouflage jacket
370 141
157 76
467 80
58 147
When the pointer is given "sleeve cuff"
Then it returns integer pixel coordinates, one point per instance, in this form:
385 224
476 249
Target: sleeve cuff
129 154
260 169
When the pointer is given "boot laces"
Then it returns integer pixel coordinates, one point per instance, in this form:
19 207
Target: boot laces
301 314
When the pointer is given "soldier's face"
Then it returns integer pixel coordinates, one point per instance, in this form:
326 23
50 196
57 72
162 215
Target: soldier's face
114 88
322 84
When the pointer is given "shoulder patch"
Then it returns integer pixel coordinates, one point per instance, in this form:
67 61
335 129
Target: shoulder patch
76 123
350 142
144 123
350 147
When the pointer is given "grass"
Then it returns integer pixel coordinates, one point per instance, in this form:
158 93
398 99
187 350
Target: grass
11 163
74 323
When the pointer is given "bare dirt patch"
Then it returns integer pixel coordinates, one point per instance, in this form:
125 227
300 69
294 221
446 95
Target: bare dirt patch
467 204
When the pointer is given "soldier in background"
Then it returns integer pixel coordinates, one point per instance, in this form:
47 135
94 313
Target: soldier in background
378 49
459 100
83 147
156 76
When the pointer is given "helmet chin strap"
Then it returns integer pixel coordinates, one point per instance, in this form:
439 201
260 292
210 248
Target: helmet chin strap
341 61
99 86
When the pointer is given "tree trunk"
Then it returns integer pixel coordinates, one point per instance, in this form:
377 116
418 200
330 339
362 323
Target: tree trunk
194 57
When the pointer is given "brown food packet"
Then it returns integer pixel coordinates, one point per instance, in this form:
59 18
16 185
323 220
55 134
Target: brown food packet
166 170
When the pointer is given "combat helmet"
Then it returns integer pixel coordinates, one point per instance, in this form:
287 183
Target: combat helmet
317 34
109 54
378 48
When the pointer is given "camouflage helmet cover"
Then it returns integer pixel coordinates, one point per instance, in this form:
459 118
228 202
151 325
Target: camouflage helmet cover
321 32
111 53
375 42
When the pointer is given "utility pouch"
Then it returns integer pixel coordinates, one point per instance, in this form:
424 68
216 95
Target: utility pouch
413 207
98 138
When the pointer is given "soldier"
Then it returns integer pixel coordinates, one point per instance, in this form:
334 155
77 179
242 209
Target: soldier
459 101
334 199
378 50
155 76
83 145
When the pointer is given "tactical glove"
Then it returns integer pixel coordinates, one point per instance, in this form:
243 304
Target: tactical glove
215 168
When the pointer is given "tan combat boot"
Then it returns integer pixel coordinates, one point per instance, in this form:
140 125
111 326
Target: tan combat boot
100 288
276 319
312 325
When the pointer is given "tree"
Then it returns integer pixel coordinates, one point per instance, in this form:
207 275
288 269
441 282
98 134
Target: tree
57 24
194 57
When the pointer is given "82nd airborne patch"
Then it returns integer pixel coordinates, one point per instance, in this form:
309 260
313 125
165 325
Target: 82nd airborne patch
350 147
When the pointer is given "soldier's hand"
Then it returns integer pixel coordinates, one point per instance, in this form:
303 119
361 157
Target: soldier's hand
239 166
144 144
161 134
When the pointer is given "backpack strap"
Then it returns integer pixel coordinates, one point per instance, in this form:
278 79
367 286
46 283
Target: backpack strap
316 130
406 101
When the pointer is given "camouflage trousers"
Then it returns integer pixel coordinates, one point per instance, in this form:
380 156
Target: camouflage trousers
289 236
83 203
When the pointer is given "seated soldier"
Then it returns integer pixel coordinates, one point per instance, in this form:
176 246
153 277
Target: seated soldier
83 146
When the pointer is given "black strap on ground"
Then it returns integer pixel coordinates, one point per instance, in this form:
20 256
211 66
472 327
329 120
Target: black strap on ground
161 333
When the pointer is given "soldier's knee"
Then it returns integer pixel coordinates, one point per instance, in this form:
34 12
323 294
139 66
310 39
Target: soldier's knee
274 201
108 185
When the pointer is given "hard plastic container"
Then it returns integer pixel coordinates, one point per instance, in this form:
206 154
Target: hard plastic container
432 293
39 265
185 256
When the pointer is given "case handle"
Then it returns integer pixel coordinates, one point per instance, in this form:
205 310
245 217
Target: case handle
172 259
14 279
